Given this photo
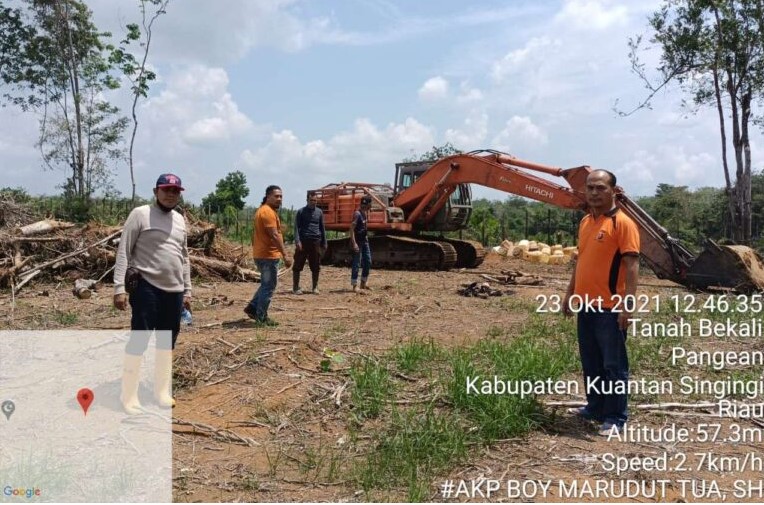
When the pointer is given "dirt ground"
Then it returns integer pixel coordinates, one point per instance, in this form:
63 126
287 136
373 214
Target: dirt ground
260 419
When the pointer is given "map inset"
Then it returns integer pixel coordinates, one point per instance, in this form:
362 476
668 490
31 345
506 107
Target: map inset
63 434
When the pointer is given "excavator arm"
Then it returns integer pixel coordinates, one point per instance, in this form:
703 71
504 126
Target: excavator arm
735 267
423 199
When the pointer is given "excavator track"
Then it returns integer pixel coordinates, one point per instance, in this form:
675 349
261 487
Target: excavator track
396 253
470 254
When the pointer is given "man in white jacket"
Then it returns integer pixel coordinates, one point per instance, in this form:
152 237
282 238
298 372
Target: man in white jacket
154 245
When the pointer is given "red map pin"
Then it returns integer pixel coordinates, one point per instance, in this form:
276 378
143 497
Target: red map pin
85 397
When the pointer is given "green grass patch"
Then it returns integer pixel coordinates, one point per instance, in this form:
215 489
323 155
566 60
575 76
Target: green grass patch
537 354
414 355
67 318
372 387
418 441
414 447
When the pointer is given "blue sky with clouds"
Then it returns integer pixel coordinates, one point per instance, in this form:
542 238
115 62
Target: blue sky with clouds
305 93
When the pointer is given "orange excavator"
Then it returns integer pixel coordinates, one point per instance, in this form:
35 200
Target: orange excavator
436 197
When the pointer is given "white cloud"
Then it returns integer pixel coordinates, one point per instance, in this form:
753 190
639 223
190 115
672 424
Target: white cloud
468 94
435 88
226 122
642 168
197 108
471 135
689 169
532 54
592 14
669 164
520 131
366 153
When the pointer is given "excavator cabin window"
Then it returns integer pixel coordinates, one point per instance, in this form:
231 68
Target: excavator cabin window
407 173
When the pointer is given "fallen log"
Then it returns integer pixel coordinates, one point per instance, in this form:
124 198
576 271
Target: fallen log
83 288
201 237
44 226
227 270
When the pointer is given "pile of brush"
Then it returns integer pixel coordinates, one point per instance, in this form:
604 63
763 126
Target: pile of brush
57 251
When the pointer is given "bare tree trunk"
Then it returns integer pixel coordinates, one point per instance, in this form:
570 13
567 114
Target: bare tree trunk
72 64
139 80
737 230
730 189
745 180
723 132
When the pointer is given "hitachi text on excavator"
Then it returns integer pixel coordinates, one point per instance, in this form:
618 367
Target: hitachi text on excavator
435 196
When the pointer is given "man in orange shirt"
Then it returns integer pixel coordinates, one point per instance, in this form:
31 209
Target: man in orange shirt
267 248
607 268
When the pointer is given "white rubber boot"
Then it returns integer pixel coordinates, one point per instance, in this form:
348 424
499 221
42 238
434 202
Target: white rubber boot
131 378
163 379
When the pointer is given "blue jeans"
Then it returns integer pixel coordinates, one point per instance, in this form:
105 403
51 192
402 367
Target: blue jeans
362 258
602 346
153 309
268 279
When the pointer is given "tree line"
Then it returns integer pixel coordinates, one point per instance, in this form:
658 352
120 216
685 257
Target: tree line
689 215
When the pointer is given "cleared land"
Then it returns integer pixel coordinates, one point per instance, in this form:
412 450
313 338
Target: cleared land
362 397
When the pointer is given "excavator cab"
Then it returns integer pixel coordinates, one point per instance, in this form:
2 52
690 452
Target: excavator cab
454 215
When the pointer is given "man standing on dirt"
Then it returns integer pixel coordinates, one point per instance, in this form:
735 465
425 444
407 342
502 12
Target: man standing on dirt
359 241
310 242
153 264
267 248
607 267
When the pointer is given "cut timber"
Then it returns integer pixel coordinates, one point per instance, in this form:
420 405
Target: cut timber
570 251
202 236
44 226
228 270
83 288
534 256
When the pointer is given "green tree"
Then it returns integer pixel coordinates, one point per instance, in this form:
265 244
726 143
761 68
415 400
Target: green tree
671 208
60 68
483 224
714 50
436 153
229 192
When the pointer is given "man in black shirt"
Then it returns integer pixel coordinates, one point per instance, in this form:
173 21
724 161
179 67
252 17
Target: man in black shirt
310 242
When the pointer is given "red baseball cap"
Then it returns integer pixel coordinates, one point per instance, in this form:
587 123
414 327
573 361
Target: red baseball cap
169 181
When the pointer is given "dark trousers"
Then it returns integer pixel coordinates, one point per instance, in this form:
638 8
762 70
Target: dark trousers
311 251
602 346
153 309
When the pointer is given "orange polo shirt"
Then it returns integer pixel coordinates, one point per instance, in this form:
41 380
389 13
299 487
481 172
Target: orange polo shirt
602 242
263 246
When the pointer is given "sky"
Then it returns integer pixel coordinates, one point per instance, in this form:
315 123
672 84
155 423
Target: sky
305 93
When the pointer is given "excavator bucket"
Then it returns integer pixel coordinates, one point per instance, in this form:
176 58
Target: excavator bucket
737 267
